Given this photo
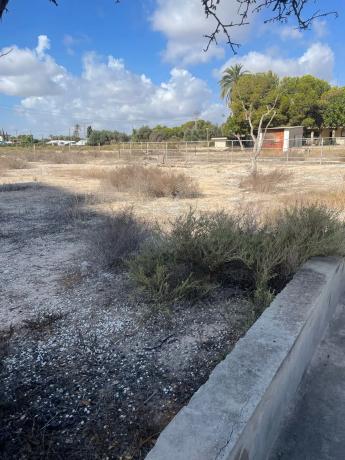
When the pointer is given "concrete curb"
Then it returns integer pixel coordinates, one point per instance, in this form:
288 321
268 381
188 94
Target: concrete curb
236 414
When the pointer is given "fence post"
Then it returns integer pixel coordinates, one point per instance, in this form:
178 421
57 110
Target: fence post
165 158
147 148
130 150
321 151
287 154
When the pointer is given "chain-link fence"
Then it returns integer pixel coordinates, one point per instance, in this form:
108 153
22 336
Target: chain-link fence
317 150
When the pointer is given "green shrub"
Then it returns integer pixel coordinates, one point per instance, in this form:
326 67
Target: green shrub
201 253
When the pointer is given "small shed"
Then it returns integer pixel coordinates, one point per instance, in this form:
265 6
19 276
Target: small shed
219 142
283 137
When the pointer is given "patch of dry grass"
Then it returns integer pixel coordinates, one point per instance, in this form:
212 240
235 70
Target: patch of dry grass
153 182
13 163
265 182
334 199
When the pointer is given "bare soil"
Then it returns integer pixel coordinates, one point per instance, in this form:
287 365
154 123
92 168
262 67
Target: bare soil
89 368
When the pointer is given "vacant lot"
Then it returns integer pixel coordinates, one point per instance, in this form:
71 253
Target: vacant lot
90 367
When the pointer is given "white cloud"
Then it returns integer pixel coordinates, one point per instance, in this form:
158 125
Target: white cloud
73 41
317 60
184 24
320 28
106 94
290 33
25 72
42 45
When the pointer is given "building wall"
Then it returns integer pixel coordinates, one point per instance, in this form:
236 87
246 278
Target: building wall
274 139
293 137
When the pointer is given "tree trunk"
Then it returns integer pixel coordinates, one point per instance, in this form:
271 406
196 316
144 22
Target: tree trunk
254 165
238 137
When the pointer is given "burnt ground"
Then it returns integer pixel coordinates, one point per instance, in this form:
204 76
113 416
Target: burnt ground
89 369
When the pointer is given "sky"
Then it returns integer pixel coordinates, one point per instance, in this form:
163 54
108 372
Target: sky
122 65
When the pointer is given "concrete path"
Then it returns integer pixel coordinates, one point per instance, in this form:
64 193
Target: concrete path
315 427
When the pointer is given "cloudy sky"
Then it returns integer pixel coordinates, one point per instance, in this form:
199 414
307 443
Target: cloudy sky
119 66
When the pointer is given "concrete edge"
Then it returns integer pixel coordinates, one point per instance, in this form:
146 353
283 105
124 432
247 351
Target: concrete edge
236 414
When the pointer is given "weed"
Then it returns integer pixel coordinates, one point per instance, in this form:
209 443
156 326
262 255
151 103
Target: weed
152 182
201 253
43 322
118 236
334 199
268 182
13 163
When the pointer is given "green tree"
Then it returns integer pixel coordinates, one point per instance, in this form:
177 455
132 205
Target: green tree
255 100
230 77
142 134
106 137
300 103
334 108
237 128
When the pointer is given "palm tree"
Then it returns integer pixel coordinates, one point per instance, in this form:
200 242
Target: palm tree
231 75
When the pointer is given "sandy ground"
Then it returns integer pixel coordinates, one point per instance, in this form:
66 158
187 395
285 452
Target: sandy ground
219 184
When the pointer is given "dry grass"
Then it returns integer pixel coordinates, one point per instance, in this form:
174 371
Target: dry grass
152 182
334 199
118 236
13 163
265 182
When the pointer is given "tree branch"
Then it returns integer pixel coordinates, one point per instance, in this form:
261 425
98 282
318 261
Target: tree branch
282 11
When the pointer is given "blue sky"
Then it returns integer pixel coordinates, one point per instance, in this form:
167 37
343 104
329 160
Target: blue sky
119 66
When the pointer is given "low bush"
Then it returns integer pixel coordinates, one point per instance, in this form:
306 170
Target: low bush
13 163
201 253
118 237
265 182
153 182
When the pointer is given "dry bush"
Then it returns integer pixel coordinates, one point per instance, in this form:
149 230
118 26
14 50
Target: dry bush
9 162
89 173
334 199
119 236
265 182
153 182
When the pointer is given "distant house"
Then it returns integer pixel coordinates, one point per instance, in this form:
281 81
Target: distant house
60 142
219 142
283 137
81 142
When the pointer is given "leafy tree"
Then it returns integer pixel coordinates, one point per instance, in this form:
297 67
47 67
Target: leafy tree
106 137
231 75
142 134
237 128
300 103
255 100
25 139
89 131
334 108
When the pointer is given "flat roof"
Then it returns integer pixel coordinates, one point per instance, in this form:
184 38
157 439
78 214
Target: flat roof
285 127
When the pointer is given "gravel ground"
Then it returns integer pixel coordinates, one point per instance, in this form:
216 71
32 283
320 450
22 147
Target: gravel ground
88 368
